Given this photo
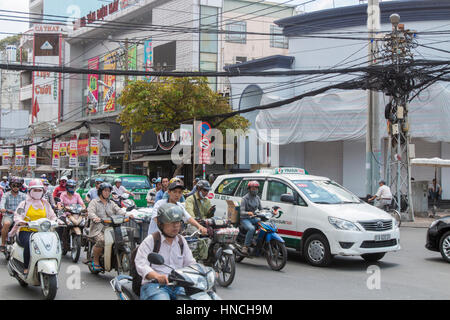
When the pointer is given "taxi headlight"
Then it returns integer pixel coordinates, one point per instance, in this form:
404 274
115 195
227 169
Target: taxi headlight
435 222
45 226
343 224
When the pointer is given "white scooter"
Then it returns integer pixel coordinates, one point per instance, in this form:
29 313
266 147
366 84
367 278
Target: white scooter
45 258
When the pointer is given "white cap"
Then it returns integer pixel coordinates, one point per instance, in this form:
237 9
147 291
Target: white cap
63 178
5 177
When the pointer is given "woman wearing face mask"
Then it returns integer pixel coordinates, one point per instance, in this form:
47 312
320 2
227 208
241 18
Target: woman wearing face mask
69 196
249 204
35 208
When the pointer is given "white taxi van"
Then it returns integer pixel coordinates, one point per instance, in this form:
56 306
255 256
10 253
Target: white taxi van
319 217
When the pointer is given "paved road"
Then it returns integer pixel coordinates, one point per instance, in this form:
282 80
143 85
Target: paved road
412 273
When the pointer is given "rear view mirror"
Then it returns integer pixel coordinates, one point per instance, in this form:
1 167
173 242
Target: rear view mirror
289 198
20 210
155 258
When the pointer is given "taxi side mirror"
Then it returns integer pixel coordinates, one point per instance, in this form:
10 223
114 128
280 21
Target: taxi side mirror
289 198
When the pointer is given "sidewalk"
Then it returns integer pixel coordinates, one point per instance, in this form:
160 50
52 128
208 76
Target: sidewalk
424 222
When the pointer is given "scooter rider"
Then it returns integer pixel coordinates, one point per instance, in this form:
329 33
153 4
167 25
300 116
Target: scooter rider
198 205
249 204
35 207
174 249
8 205
61 188
98 209
93 192
47 194
175 191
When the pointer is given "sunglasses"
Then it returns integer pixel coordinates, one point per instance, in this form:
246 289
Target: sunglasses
15 185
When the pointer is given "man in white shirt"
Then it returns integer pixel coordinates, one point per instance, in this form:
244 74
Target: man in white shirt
383 195
174 249
119 189
175 192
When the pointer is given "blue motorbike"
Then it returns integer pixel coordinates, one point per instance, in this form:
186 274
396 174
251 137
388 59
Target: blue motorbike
266 242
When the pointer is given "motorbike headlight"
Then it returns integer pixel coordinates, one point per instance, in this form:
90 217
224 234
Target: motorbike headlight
343 224
36 248
45 226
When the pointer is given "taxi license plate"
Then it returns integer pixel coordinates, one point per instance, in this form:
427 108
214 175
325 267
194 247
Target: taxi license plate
382 237
137 197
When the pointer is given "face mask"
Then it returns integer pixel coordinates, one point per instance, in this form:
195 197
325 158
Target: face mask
36 194
71 191
200 194
253 193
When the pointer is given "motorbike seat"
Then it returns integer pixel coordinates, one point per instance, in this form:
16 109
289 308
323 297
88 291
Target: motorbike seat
127 288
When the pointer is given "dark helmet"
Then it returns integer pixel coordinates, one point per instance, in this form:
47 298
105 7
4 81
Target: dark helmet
103 186
203 184
168 213
71 183
253 183
16 180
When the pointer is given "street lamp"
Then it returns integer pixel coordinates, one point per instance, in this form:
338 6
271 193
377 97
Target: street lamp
395 19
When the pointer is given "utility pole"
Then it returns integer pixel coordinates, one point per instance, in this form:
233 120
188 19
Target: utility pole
126 135
398 47
373 145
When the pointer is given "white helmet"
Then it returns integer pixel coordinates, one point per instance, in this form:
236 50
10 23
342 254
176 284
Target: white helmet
63 178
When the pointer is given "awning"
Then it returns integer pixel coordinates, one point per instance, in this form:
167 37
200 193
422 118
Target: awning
158 157
430 162
103 167
45 168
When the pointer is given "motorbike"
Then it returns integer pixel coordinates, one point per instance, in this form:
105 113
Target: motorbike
123 201
45 258
74 218
141 218
197 280
117 251
217 249
265 242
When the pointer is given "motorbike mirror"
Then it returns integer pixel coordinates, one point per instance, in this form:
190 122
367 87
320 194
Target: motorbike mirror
130 209
20 210
57 199
155 258
287 198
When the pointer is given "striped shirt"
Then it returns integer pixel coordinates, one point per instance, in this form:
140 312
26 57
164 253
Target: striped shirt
11 202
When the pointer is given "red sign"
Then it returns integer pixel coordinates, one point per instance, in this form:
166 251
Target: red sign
83 146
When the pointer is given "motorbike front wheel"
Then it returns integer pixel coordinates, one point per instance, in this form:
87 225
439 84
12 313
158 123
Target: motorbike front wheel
225 266
76 247
276 255
125 263
49 286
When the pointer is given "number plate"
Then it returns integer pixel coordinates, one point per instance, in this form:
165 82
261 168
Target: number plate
382 237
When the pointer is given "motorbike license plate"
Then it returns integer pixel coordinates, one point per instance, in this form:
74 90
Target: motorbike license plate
382 237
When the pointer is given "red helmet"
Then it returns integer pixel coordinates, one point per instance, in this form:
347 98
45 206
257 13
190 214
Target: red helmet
253 184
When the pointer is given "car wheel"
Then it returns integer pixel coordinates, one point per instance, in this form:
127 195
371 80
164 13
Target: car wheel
317 250
444 246
373 257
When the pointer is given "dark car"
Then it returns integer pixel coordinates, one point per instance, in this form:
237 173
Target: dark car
438 237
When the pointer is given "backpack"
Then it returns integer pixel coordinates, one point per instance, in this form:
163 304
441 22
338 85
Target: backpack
137 279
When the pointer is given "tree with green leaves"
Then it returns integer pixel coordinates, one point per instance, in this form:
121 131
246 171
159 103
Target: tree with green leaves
167 103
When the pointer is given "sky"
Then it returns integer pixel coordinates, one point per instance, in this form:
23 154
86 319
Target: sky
22 5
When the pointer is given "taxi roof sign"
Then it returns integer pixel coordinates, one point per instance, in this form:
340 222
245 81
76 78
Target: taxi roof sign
282 171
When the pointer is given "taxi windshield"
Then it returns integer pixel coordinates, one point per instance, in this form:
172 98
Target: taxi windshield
135 183
325 192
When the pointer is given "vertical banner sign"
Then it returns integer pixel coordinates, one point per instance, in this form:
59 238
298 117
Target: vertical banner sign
132 60
109 93
186 134
92 98
83 146
46 85
55 155
73 148
63 149
95 154
32 158
204 143
6 154
148 58
19 157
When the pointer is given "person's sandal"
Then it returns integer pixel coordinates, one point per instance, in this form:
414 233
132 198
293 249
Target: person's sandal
2 248
96 267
